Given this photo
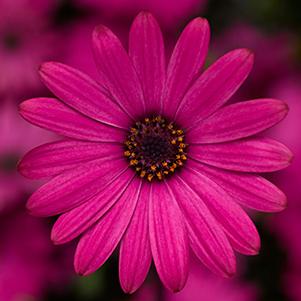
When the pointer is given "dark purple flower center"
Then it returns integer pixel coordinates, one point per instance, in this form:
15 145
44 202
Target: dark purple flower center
155 148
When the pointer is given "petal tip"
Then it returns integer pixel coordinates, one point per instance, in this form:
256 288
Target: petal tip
128 289
80 270
100 30
200 23
55 237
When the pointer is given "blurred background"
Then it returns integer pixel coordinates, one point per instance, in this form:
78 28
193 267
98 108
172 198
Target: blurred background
33 31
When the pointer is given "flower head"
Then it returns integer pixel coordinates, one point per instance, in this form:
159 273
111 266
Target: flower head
24 44
170 13
154 160
31 257
17 138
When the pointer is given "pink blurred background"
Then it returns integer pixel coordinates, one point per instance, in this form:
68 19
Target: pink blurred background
33 31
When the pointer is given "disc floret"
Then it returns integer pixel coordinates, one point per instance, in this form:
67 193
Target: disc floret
155 148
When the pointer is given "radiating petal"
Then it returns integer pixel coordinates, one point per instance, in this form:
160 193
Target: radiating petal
185 64
237 225
135 254
238 121
54 158
146 48
168 238
215 86
70 189
73 223
250 155
82 93
207 239
98 243
249 190
51 114
118 71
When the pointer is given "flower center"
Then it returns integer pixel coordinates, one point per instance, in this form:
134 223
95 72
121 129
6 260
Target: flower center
155 148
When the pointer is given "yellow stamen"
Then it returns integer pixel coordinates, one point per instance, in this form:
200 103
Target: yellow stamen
133 162
127 153
150 177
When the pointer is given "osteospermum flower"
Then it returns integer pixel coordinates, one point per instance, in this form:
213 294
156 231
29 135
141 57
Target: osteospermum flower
154 160
24 44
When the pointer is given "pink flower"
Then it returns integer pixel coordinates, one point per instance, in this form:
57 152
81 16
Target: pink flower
289 89
207 287
24 44
17 137
287 225
169 12
28 265
153 159
267 68
201 285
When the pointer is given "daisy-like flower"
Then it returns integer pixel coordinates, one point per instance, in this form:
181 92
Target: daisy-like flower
154 160
24 44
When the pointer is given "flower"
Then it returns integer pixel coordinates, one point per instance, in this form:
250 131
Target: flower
24 44
169 12
204 286
201 285
287 225
153 159
267 69
17 138
27 253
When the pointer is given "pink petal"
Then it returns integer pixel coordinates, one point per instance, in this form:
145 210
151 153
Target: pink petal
51 114
207 239
235 222
98 243
252 155
135 253
249 190
146 48
54 158
82 93
71 224
215 86
70 189
168 238
185 64
118 72
238 121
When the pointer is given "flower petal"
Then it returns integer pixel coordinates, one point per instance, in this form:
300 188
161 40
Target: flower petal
51 114
82 93
54 158
71 224
70 189
215 86
238 121
207 238
146 48
185 64
251 155
118 72
135 253
168 238
251 191
98 243
237 225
